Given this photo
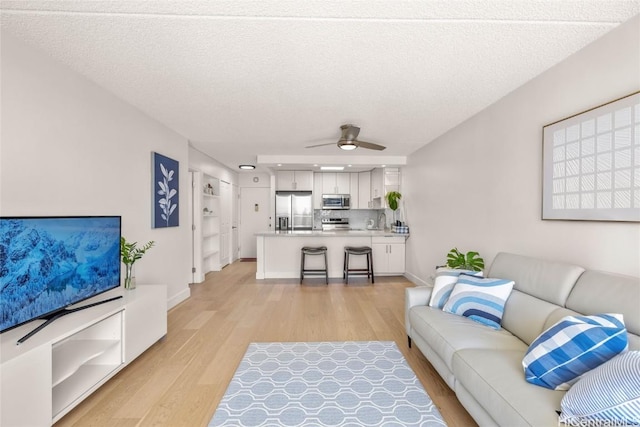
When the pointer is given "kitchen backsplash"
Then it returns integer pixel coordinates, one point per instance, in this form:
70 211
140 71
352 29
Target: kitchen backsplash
358 218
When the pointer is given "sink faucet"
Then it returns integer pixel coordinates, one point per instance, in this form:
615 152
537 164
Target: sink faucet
382 221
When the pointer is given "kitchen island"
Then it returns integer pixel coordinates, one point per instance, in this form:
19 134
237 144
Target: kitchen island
278 252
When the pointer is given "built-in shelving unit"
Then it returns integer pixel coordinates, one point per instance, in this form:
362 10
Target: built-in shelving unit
45 377
207 225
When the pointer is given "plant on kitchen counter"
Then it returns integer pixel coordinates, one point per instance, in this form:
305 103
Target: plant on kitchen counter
392 200
469 261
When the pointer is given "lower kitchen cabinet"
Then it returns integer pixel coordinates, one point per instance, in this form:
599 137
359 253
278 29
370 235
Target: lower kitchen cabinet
388 254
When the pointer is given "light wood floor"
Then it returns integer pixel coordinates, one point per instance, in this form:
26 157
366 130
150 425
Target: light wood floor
180 380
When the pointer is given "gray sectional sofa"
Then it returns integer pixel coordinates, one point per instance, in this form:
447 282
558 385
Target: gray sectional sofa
484 366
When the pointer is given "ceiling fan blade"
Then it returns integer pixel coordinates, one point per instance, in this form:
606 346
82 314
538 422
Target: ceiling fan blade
370 145
320 145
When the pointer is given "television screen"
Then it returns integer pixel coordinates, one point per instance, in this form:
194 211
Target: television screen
47 264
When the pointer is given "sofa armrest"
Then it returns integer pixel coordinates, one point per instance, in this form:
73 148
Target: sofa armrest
419 295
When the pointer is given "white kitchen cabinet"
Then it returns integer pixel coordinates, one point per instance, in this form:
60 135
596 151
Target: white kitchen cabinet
336 183
388 254
317 190
49 374
294 181
354 190
364 190
377 184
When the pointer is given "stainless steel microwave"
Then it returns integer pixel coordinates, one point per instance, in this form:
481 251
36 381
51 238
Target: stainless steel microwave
336 201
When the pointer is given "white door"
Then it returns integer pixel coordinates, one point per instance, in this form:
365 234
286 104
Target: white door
225 222
254 218
235 214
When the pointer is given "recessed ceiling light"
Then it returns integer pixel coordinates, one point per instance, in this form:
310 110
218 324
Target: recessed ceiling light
279 164
383 166
348 165
315 165
247 167
331 168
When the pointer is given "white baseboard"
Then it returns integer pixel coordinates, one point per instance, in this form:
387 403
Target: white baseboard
416 280
178 298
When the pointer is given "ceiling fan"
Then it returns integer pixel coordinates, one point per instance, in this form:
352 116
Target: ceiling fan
348 140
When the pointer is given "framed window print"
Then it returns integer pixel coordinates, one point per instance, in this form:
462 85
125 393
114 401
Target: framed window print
591 164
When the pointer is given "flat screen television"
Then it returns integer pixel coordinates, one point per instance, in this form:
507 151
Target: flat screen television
50 263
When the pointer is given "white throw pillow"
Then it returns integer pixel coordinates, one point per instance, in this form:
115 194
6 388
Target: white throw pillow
446 279
606 395
480 299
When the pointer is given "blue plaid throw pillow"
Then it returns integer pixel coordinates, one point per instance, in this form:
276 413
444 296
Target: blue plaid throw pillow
573 346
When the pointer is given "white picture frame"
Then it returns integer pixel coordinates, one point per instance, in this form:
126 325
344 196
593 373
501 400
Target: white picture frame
591 164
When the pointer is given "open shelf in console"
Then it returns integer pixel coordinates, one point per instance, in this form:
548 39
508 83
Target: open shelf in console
83 360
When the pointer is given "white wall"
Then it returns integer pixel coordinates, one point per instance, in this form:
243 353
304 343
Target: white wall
69 147
200 161
478 187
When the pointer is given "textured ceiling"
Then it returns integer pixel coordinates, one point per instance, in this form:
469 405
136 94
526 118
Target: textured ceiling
242 79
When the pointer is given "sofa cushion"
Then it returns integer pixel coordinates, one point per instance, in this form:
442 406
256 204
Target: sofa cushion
573 346
600 292
444 282
494 379
525 316
608 395
547 280
447 333
479 299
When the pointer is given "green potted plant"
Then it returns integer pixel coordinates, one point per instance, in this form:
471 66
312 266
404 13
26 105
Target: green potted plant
392 200
469 261
130 253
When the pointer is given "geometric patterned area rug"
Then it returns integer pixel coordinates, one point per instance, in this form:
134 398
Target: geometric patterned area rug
353 383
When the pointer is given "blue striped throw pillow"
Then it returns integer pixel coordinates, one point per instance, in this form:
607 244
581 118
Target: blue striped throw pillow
607 395
479 299
573 346
446 279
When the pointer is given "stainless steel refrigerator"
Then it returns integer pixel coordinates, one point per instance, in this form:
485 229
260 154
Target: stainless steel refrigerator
297 207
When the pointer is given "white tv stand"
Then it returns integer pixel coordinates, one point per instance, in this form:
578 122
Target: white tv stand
45 377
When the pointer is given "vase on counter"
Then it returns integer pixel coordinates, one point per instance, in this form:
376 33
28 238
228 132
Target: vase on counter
129 277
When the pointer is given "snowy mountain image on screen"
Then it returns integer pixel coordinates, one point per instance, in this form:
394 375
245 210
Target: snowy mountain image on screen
50 263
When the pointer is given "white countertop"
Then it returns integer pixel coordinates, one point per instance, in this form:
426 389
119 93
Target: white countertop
333 233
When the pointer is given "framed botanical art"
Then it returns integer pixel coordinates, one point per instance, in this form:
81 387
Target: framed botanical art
165 173
591 164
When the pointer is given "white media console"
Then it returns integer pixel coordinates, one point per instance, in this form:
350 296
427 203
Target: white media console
53 371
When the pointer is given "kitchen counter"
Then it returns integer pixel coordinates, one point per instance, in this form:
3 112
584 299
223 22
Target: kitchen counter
333 233
278 252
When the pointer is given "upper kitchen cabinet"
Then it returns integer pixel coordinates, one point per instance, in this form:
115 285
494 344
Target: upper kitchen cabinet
336 183
377 183
383 180
364 190
294 181
354 191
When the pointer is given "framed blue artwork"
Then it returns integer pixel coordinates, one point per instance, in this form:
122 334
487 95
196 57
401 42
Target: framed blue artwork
165 191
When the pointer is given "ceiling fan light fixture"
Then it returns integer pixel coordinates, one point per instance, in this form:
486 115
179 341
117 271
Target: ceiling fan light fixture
347 145
247 167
